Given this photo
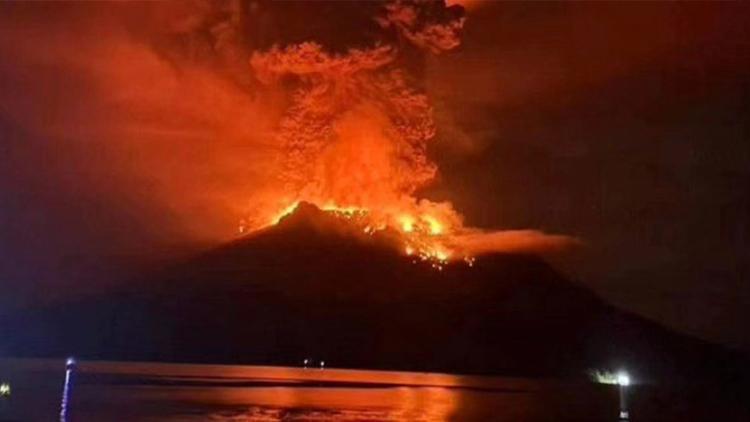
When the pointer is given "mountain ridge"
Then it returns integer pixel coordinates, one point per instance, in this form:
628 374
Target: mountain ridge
311 286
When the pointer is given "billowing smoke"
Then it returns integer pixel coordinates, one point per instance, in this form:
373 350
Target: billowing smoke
206 113
355 131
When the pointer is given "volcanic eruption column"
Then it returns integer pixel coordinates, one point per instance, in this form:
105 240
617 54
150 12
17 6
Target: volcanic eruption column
354 135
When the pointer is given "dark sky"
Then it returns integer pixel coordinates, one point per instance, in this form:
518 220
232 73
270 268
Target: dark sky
624 124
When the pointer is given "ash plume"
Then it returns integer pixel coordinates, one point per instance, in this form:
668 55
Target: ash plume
216 111
357 128
356 131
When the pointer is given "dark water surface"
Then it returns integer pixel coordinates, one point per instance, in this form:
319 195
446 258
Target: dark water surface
116 391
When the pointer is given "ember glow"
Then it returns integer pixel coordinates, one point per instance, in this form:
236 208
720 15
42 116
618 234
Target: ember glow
422 236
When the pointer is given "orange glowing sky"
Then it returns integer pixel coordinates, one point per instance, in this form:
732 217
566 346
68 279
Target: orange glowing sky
131 126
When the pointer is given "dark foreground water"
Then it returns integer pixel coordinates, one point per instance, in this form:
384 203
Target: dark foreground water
115 391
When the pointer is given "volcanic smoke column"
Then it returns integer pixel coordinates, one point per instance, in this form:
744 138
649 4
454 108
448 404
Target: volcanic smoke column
356 131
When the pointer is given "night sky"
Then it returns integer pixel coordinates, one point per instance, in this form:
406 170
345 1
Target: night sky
623 124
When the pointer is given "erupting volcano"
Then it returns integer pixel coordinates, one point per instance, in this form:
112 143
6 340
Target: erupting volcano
345 137
354 137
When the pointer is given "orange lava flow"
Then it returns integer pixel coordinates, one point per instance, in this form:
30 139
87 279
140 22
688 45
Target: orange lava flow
423 235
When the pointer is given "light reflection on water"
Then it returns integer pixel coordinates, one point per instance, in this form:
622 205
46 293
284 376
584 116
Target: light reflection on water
274 415
269 414
326 404
105 392
387 404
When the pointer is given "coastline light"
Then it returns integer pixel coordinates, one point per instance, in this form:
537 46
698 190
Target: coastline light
623 379
70 367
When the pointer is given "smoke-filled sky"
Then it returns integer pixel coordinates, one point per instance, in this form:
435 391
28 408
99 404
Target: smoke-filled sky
139 130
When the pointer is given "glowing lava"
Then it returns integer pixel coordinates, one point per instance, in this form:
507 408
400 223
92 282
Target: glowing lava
423 236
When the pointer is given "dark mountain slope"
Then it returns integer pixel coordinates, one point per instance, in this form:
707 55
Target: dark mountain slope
309 287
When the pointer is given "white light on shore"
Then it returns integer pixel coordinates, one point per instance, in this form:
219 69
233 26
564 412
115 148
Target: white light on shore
623 379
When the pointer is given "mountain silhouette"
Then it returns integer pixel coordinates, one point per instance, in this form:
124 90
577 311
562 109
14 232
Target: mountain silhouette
315 287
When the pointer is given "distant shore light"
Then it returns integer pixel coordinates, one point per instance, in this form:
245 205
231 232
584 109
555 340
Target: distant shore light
623 379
